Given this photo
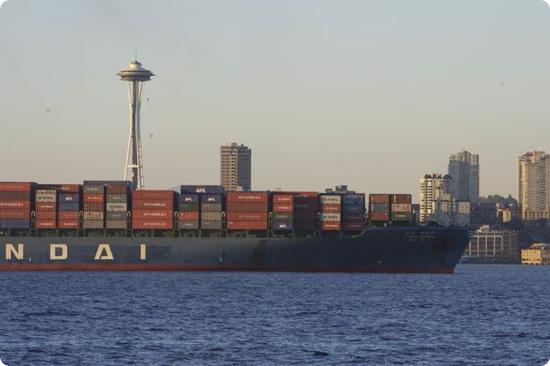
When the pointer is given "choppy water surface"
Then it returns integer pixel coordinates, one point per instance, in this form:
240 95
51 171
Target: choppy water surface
482 315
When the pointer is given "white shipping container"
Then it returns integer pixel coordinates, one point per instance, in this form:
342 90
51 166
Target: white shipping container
401 207
332 199
117 207
45 195
330 217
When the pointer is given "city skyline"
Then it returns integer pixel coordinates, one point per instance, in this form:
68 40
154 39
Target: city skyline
222 92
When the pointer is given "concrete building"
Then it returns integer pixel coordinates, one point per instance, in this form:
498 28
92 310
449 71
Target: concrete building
235 167
536 254
533 185
435 197
488 245
464 169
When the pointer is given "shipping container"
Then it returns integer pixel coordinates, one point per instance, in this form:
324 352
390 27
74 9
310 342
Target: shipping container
333 199
188 207
93 224
401 216
152 205
116 224
189 198
211 216
331 225
247 216
14 205
282 225
246 225
116 207
15 223
93 189
401 199
211 224
211 207
283 207
94 198
68 198
45 206
68 215
152 224
43 195
69 188
117 198
188 216
287 199
15 215
94 215
152 214
283 216
379 216
153 195
94 207
211 199
68 207
379 198
15 186
46 215
15 196
401 207
331 208
201 189
116 216
68 224
188 225
379 207
45 224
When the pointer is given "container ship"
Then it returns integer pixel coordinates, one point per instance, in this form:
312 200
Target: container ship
108 226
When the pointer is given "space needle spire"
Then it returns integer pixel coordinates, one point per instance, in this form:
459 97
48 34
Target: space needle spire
135 75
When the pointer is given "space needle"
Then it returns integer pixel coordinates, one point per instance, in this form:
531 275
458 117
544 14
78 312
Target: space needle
135 75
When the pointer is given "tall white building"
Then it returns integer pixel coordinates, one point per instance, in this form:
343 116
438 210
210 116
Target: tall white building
464 169
534 185
435 197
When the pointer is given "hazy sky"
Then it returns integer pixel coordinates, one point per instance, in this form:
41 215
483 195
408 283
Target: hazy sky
372 93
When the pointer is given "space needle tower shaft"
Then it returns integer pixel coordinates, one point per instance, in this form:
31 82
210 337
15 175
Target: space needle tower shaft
135 75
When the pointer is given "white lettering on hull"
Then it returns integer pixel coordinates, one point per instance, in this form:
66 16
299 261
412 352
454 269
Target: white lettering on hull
104 253
59 252
11 252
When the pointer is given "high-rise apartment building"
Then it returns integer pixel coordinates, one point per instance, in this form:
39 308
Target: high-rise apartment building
434 196
533 185
235 167
464 169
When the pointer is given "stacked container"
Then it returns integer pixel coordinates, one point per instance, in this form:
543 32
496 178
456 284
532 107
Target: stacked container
153 209
68 206
331 208
401 208
306 206
379 207
94 206
45 208
211 211
247 210
282 218
188 211
353 212
116 208
15 205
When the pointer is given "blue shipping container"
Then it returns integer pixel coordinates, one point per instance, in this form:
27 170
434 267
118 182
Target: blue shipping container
189 198
211 198
68 206
201 189
69 197
15 224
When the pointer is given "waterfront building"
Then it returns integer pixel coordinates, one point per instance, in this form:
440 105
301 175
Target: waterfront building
536 254
491 245
235 167
464 169
533 185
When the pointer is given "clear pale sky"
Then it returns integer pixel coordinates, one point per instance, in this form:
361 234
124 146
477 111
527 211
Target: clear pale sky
372 93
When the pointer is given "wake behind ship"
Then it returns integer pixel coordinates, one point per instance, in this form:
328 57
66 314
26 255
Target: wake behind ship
105 225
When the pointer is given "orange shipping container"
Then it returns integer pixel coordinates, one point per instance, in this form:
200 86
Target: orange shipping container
15 186
68 215
45 215
45 224
152 205
154 195
246 225
152 214
68 224
283 207
379 198
162 224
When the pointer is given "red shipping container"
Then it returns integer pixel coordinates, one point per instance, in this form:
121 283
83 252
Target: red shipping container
15 186
45 215
15 214
94 198
68 224
379 198
247 197
94 207
152 205
68 215
45 224
283 198
162 224
247 216
155 195
188 216
330 226
15 196
283 207
15 205
331 208
69 188
247 206
246 225
379 216
401 198
152 214
45 206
